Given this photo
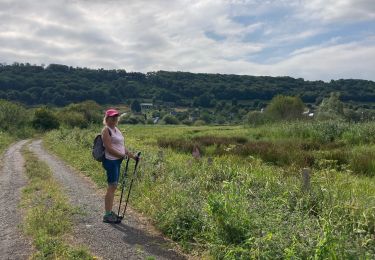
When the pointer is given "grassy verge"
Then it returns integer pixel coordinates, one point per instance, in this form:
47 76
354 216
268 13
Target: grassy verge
48 215
5 141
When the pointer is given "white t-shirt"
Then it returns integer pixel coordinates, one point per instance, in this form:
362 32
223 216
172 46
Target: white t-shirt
117 143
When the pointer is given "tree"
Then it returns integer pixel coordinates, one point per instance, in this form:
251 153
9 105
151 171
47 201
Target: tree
285 108
331 108
135 106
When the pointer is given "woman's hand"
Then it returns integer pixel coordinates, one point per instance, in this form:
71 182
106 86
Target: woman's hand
136 157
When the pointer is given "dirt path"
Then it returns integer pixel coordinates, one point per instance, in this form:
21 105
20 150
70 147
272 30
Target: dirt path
129 240
13 245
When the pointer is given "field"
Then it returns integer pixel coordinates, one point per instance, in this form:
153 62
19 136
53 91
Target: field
244 197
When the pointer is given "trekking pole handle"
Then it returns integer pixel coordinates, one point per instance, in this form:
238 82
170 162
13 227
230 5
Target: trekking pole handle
138 156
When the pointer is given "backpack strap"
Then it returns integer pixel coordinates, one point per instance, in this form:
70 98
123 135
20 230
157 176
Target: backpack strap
109 130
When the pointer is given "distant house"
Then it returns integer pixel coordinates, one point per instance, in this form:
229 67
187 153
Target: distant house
308 113
145 106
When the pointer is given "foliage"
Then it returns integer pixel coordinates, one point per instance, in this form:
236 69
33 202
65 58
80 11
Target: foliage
170 120
331 108
256 118
61 85
136 106
133 119
13 116
44 119
199 122
5 140
285 108
81 114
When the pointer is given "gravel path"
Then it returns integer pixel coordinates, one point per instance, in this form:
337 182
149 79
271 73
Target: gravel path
131 239
13 245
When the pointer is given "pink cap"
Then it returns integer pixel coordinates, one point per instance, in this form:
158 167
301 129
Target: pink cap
111 112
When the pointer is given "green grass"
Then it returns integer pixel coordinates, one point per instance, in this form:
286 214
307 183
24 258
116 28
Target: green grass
48 215
5 141
245 206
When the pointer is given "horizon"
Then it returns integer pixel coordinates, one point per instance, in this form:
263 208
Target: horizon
170 71
314 40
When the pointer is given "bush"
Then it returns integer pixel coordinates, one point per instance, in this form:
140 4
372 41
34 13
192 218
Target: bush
186 122
73 119
12 116
256 118
133 120
81 114
45 119
199 123
170 120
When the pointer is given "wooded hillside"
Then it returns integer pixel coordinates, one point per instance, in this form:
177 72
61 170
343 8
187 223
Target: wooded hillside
61 85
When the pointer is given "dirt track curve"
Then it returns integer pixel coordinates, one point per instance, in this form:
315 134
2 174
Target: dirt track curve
12 178
129 240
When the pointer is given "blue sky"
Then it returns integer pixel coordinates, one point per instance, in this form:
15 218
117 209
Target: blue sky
314 40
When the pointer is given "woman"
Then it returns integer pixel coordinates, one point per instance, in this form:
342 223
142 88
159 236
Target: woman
115 152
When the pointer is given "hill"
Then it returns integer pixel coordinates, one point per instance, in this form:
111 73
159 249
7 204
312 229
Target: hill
61 85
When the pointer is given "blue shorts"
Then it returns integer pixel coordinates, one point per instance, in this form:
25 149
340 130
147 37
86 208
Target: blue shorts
112 168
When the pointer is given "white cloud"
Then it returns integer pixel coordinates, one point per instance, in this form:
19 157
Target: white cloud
171 35
352 60
343 10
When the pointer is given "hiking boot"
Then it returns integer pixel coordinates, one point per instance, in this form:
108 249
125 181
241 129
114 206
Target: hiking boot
118 217
111 218
114 214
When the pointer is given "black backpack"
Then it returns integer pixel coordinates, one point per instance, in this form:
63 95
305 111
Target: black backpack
98 148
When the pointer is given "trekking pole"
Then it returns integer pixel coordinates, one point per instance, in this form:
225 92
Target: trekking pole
131 183
123 185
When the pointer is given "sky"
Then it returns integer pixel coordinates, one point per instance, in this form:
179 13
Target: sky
310 39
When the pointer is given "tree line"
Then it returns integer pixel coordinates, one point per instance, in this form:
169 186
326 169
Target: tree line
60 85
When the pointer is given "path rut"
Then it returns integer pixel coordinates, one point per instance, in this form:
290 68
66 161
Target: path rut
13 245
128 240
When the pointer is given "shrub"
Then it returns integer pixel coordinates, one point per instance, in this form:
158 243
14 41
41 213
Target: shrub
12 116
187 122
199 123
81 114
45 119
133 120
73 119
170 120
256 118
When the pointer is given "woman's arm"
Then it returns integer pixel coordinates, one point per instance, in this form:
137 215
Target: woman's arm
108 144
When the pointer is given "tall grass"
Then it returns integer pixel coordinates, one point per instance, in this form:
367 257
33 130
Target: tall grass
237 206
